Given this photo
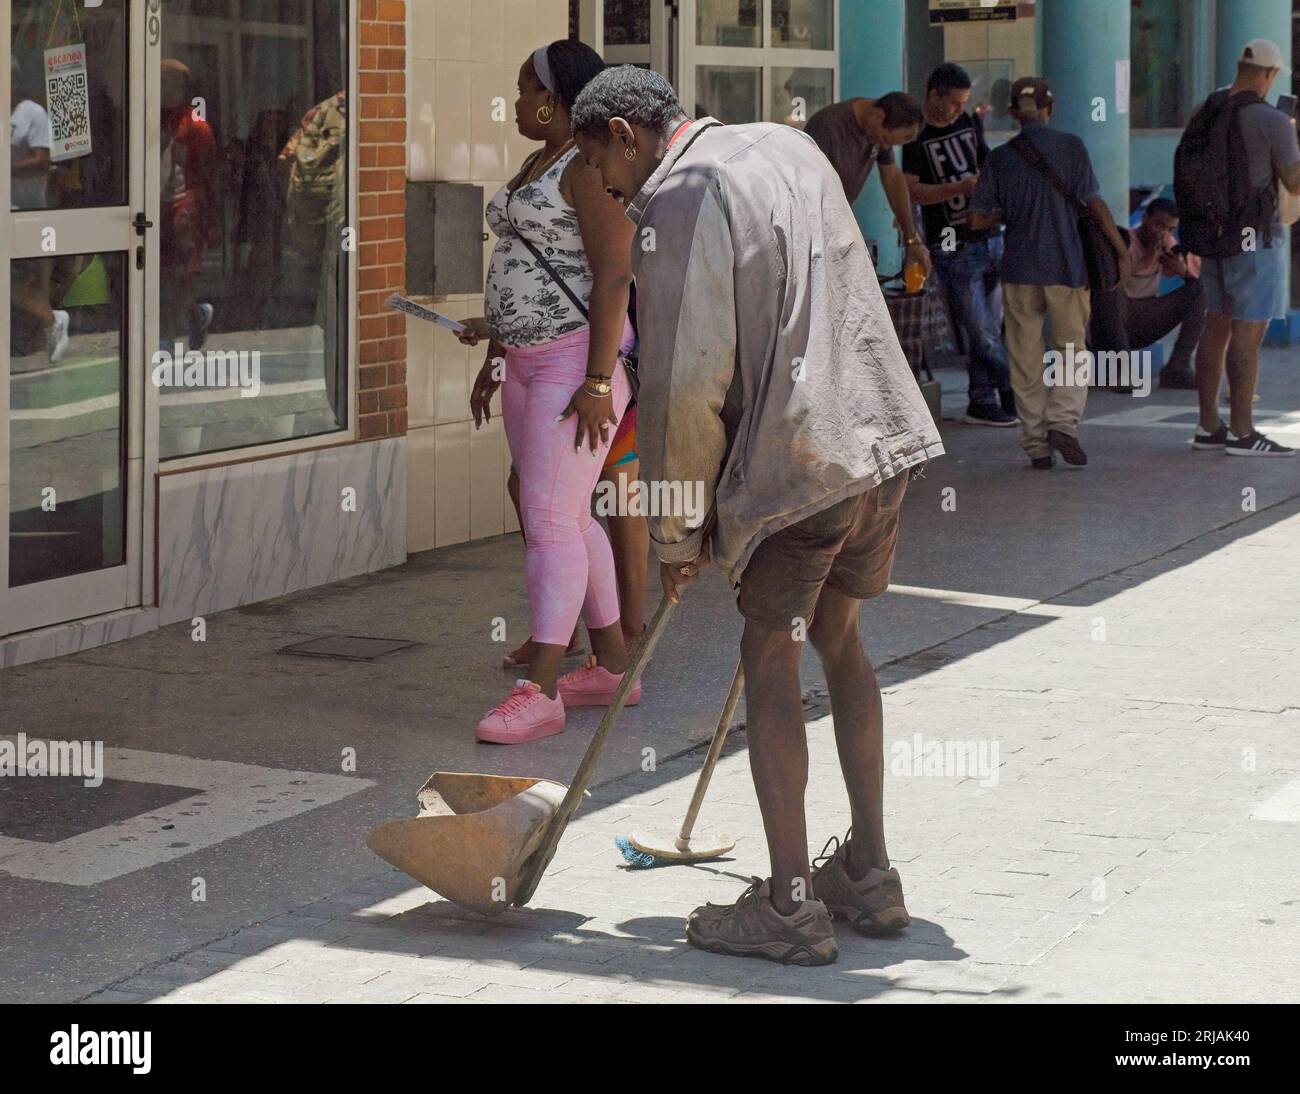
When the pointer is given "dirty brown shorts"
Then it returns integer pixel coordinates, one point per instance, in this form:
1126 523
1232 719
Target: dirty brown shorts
849 547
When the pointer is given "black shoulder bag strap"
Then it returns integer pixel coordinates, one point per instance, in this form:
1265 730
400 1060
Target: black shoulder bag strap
541 259
1097 251
629 360
1038 161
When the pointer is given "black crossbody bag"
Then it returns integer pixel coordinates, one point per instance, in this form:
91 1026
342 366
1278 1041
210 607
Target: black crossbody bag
1098 254
630 360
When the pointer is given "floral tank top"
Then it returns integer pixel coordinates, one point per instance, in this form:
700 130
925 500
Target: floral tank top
523 304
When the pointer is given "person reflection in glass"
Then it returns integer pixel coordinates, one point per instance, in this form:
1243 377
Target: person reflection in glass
316 207
189 223
34 325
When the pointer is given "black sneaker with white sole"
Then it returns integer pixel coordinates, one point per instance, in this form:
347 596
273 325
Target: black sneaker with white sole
1255 443
1217 439
988 414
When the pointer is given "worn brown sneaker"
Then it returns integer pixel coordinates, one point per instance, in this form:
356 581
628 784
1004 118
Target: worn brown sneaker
873 905
752 927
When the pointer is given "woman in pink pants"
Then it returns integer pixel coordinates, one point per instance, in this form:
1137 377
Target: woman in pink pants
556 301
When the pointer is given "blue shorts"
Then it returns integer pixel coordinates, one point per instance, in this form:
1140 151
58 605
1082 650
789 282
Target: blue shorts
1250 286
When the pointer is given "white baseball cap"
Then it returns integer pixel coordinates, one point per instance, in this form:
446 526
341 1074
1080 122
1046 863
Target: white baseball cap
1265 54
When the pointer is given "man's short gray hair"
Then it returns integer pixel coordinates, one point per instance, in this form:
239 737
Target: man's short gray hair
639 96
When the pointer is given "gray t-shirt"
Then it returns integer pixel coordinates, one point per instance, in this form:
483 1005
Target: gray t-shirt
1271 146
836 130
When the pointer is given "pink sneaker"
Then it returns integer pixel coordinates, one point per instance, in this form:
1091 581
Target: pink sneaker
592 686
526 715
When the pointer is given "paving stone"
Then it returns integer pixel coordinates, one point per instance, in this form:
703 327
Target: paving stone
1120 778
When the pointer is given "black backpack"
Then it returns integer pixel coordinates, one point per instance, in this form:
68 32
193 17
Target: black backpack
1212 188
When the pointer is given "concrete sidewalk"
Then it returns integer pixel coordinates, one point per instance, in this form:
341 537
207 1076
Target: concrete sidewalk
1120 785
1137 840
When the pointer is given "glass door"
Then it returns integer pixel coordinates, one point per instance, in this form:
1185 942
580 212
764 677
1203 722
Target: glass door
759 60
71 374
630 32
253 195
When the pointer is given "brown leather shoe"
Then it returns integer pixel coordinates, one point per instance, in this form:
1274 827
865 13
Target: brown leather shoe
1068 447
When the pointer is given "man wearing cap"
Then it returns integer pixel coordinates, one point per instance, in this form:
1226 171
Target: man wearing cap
1044 278
1244 290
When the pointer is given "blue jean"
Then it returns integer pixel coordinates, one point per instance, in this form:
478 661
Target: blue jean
971 284
1248 286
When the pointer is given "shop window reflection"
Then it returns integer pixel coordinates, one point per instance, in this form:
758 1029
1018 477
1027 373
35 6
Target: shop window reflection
253 207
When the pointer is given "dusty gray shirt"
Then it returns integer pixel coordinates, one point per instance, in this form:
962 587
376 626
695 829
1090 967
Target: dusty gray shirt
770 371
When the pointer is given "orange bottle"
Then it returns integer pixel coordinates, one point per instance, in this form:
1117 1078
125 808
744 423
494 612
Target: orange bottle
914 277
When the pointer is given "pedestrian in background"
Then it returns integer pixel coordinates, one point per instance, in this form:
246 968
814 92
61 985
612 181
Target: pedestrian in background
942 169
1044 275
859 134
1142 316
1236 151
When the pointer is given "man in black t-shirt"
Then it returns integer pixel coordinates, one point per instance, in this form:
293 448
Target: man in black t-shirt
942 167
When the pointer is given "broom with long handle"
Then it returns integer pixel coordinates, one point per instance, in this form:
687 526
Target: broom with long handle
643 850
541 858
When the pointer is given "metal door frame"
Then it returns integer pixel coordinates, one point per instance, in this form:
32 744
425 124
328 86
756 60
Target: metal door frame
97 230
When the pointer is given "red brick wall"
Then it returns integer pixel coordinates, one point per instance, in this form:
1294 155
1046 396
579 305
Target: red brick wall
381 241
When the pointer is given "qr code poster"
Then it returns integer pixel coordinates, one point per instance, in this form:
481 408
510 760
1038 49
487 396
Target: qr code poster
67 102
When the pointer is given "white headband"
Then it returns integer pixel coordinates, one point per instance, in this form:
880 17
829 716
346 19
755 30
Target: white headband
543 69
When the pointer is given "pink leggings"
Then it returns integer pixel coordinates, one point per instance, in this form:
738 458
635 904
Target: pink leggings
569 566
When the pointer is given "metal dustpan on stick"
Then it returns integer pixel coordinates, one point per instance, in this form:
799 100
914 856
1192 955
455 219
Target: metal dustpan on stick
484 841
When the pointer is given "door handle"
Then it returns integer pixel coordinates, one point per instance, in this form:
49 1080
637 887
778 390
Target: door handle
141 224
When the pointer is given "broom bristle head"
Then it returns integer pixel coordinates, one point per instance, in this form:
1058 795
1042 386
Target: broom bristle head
637 860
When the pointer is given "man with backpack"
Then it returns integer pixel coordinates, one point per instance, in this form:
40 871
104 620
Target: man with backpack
1041 186
1235 152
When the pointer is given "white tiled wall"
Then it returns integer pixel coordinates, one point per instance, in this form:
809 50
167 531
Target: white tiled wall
460 56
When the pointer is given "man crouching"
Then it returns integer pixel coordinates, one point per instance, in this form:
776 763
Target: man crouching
770 372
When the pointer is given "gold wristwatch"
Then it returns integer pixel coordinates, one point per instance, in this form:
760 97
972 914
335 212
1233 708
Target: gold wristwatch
598 385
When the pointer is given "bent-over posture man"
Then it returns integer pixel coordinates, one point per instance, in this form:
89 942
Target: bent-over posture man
772 378
859 134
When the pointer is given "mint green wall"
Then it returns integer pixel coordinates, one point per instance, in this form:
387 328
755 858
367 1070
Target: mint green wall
1082 42
871 64
1151 151
1151 157
1238 21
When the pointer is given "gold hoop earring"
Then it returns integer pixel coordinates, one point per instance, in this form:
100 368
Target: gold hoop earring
545 113
629 154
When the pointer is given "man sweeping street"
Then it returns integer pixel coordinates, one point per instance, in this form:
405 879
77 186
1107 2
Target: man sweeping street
771 375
